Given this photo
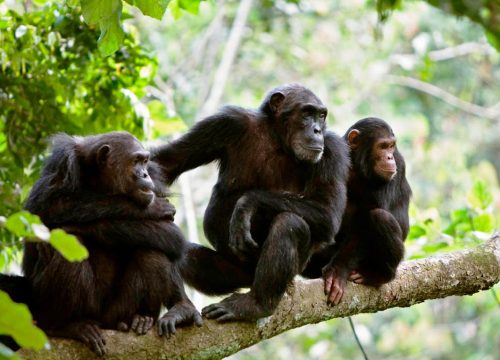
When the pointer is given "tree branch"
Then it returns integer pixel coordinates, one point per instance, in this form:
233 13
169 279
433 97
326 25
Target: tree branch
456 273
491 113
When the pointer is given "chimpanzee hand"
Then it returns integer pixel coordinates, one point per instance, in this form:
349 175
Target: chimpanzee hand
335 280
240 237
160 209
182 313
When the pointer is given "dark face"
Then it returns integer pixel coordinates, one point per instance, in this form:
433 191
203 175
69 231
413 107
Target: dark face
302 122
124 164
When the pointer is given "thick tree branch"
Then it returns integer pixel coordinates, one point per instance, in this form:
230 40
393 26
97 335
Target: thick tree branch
457 273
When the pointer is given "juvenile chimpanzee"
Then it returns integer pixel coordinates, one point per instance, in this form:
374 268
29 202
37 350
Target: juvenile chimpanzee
105 190
370 243
285 178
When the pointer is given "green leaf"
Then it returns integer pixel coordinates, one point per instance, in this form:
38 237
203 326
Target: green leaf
484 223
112 35
153 8
480 196
16 321
21 223
68 245
191 6
96 11
416 231
434 247
107 15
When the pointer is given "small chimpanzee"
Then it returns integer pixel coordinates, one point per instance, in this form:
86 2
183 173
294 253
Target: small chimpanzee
370 243
285 178
104 190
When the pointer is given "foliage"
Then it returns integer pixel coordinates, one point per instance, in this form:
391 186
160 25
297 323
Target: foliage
107 16
54 77
484 12
51 70
16 321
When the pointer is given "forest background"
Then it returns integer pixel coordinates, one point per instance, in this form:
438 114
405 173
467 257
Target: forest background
433 76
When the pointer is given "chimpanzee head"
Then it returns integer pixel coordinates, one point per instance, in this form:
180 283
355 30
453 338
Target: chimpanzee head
299 118
112 163
373 149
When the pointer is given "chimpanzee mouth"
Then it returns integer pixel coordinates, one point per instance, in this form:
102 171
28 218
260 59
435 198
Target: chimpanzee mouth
313 148
146 190
390 170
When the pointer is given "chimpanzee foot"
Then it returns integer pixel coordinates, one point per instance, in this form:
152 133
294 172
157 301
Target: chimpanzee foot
182 313
335 281
356 277
87 332
236 307
141 324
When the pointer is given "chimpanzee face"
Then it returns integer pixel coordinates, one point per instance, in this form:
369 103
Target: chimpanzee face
124 166
374 155
384 164
301 118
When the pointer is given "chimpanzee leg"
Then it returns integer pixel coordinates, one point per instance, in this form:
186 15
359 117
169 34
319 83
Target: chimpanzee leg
212 273
132 290
283 255
68 301
385 250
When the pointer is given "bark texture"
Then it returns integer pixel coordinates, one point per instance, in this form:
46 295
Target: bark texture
456 273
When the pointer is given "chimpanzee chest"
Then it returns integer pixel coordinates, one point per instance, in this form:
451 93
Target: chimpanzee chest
259 162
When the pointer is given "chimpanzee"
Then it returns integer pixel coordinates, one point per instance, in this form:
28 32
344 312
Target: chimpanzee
104 190
280 194
370 243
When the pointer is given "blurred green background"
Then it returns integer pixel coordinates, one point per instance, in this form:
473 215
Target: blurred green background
433 76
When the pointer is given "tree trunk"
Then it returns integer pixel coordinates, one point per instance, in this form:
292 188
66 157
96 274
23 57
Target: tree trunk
456 273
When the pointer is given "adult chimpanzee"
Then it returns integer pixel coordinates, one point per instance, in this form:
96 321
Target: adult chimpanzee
105 190
285 175
369 244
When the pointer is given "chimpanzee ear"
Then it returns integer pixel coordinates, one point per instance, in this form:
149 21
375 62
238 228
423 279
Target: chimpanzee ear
62 167
102 154
353 139
276 101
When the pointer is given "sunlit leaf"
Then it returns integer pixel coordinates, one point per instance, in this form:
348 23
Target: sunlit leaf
431 248
112 35
480 197
153 8
484 223
21 222
16 321
68 245
416 231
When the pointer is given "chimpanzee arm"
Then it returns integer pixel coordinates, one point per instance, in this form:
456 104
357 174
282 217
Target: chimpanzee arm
321 206
205 142
85 207
400 209
163 236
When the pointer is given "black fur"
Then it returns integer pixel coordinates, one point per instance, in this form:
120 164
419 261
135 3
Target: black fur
276 198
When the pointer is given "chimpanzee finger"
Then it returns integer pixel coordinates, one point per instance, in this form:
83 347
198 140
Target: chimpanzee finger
198 320
215 313
135 323
328 284
162 328
150 323
226 317
171 327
